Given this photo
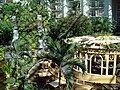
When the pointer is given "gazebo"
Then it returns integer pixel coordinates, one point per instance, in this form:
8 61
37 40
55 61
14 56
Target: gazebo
101 56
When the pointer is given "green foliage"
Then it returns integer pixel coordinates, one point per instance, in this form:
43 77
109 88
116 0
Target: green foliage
74 8
112 46
2 63
6 24
26 21
5 32
1 52
29 86
17 66
7 10
102 25
77 25
62 55
70 27
10 80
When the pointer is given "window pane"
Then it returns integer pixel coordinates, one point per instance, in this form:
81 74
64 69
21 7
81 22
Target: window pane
96 8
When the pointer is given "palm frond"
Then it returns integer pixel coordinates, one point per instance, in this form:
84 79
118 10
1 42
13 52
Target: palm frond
20 46
63 55
75 62
67 71
54 45
67 57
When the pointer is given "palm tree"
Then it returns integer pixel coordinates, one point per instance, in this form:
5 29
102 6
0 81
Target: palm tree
63 55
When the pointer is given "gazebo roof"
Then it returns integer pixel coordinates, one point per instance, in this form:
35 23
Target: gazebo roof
78 39
105 40
97 42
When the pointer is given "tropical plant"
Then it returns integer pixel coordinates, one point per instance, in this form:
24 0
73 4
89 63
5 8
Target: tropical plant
63 55
5 26
17 65
2 63
2 48
74 8
26 14
70 27
102 25
60 52
27 22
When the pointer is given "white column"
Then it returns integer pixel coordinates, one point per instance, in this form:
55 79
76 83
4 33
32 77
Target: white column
90 65
40 31
16 0
85 7
107 63
105 7
15 29
110 9
95 58
80 55
114 65
101 66
81 4
91 62
65 8
75 56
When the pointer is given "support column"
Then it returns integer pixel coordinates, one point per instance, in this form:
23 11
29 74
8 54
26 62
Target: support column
80 55
86 58
110 9
105 7
114 65
101 66
90 66
107 63
75 55
81 4
16 0
65 8
15 29
90 63
85 7
95 58
40 31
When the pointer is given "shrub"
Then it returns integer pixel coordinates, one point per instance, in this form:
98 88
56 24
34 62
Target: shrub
102 25
70 26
